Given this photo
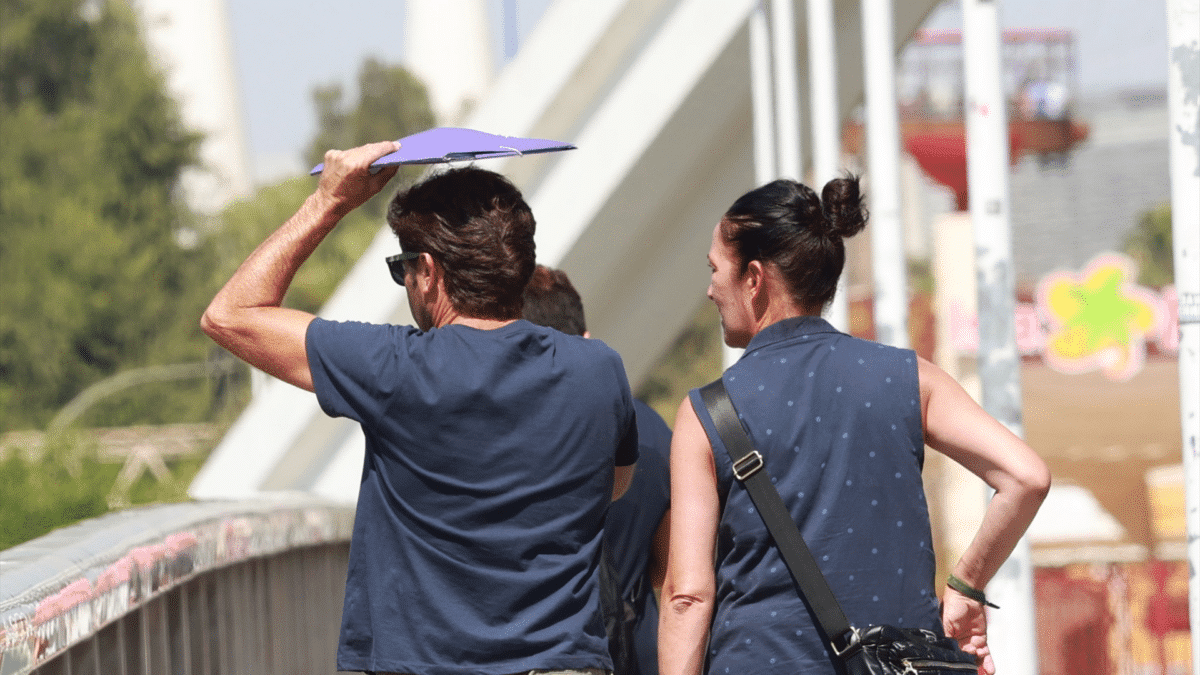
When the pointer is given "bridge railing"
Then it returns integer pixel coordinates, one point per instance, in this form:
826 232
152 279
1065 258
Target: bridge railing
201 588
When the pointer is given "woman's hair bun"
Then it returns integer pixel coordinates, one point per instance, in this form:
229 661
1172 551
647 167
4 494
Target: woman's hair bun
842 204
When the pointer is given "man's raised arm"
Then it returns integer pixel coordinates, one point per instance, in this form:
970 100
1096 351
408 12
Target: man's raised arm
246 316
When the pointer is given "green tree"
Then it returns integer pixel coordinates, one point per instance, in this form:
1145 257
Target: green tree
1150 244
692 361
91 149
244 225
40 494
392 103
64 481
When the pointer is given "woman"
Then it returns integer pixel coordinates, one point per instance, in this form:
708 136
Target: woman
842 424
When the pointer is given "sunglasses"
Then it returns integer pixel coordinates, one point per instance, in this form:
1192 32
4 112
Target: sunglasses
395 265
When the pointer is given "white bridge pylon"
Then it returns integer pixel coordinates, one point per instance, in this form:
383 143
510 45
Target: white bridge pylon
656 95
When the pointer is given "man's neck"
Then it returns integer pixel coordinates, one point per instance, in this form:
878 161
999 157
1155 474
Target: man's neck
481 324
442 312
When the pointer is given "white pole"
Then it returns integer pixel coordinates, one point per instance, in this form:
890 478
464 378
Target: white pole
787 88
762 119
762 102
456 77
883 161
1011 631
1183 88
193 45
827 150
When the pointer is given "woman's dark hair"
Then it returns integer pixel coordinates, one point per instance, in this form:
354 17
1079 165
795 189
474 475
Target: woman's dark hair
785 223
477 226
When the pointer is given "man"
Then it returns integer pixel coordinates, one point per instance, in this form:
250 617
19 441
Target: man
493 446
635 533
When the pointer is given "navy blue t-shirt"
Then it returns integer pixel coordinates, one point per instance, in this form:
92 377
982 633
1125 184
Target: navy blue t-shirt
838 422
487 475
629 531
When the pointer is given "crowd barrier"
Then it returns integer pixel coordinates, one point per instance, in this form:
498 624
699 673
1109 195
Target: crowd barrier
199 588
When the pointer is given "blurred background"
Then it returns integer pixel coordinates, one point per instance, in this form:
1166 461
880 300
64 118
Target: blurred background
146 146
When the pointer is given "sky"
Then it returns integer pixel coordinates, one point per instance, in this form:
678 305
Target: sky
284 48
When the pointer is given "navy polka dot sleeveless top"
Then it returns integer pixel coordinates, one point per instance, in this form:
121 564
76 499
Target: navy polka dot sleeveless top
838 421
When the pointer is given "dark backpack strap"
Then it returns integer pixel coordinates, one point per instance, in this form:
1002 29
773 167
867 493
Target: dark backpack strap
749 470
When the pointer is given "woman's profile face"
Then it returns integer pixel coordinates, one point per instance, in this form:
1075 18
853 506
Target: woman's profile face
725 288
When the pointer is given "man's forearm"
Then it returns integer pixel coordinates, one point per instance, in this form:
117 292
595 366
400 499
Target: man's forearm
246 316
263 278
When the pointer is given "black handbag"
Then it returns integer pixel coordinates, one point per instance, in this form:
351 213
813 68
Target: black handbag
875 650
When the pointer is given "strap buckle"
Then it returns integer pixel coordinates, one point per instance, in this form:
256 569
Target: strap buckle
849 641
748 465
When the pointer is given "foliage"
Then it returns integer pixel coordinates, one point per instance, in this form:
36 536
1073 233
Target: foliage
695 359
91 149
1150 244
66 482
246 224
39 496
96 280
392 103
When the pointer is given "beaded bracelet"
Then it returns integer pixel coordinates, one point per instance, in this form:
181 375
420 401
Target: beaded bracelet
966 589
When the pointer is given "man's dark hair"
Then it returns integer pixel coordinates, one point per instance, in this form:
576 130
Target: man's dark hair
551 300
477 226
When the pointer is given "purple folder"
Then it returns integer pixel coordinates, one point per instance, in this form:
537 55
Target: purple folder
450 144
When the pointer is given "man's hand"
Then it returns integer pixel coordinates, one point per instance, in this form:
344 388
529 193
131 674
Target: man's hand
347 181
964 620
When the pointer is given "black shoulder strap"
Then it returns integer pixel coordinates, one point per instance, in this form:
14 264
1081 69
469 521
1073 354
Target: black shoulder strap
749 470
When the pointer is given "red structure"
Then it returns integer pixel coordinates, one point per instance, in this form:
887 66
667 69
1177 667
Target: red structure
1039 82
1165 613
1073 624
942 153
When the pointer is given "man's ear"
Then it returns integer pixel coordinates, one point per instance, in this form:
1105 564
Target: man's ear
428 273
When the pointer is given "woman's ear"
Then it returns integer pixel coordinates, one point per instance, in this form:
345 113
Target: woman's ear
756 287
755 278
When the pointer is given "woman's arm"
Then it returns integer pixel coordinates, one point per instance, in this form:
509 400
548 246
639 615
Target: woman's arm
690 585
958 427
659 548
622 478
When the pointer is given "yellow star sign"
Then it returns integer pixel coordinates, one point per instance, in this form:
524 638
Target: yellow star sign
1099 320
